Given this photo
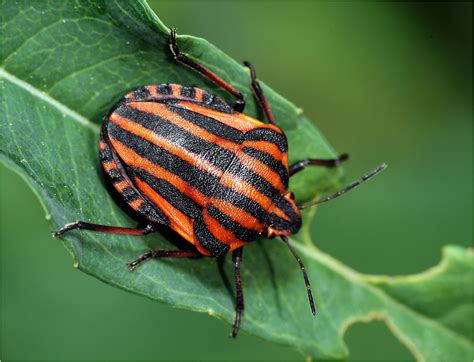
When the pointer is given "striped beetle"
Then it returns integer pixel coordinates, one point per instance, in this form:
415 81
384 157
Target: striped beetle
184 158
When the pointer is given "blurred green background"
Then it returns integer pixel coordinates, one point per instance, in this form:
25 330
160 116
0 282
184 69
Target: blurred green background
383 81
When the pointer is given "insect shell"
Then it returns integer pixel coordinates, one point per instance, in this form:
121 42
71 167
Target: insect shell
184 158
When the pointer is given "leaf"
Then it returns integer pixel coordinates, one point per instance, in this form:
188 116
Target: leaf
426 293
63 66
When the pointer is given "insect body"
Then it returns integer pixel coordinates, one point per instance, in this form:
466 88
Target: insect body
184 158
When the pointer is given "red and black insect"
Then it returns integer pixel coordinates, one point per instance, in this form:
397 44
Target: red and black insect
184 158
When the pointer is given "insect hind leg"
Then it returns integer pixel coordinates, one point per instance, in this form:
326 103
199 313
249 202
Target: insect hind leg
239 293
160 253
83 225
259 95
184 59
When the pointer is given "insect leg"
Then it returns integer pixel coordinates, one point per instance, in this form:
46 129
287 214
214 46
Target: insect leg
303 270
301 165
258 93
349 187
82 225
159 253
184 59
239 294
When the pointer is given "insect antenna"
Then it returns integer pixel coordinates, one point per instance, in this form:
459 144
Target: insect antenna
349 187
303 270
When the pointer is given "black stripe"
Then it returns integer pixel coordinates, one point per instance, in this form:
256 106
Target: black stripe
104 156
211 125
268 135
129 194
169 193
293 225
142 94
164 89
220 105
153 214
240 232
115 176
280 224
207 239
214 102
207 98
270 161
288 209
188 92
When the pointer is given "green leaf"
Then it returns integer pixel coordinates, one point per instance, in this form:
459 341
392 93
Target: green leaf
426 293
64 65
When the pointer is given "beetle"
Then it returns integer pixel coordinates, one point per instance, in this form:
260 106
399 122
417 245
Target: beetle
182 157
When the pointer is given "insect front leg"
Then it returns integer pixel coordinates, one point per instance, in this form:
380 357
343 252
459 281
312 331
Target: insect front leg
239 293
301 165
184 59
83 225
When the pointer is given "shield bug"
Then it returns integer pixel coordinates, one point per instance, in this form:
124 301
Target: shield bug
184 158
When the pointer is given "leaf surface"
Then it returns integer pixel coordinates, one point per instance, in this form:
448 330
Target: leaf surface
64 66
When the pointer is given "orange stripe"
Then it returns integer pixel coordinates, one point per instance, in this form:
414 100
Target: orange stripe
109 166
220 233
179 222
133 159
152 91
161 110
186 155
242 217
284 161
265 146
216 229
199 94
102 145
137 203
235 245
121 185
237 120
176 89
262 170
